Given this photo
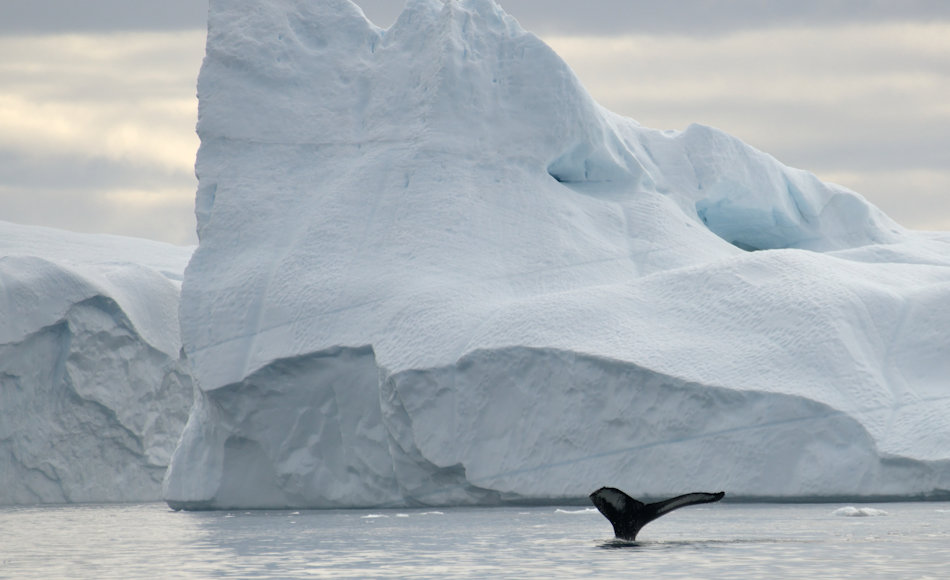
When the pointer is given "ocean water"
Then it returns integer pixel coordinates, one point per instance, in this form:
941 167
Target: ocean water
898 540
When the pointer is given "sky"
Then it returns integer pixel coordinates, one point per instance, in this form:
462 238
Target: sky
98 106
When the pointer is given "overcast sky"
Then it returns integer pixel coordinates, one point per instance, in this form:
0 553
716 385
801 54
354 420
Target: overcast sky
98 108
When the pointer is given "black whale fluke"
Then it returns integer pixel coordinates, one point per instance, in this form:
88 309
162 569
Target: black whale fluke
629 515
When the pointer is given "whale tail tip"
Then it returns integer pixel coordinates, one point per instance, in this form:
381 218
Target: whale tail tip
628 515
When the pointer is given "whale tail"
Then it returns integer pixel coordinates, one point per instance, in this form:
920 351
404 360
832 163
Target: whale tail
628 515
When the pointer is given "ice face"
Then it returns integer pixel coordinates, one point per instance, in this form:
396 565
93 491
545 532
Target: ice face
433 270
93 395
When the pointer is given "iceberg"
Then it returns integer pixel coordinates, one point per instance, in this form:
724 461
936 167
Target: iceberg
93 394
858 512
432 270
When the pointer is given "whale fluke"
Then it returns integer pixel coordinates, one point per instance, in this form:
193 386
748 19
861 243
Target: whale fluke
628 515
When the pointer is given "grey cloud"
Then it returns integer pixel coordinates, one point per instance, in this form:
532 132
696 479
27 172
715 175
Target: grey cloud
865 151
819 138
694 17
85 209
699 17
21 171
56 16
72 193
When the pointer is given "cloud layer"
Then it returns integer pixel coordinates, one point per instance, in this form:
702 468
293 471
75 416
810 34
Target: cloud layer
97 131
91 16
98 107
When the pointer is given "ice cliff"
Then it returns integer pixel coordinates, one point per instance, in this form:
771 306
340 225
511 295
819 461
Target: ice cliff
432 270
93 395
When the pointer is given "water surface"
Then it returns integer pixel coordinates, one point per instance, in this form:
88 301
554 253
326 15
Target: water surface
907 540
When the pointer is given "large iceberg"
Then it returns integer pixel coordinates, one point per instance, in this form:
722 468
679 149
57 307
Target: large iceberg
93 393
432 270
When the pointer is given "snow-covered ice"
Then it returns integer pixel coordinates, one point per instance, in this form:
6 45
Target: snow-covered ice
432 270
93 396
858 512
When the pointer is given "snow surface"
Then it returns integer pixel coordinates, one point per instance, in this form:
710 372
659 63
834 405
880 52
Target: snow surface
93 396
856 512
432 270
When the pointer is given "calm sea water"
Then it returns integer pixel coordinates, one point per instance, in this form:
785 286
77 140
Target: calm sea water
911 540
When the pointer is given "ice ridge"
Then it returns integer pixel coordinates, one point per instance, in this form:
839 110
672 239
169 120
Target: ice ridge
93 394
